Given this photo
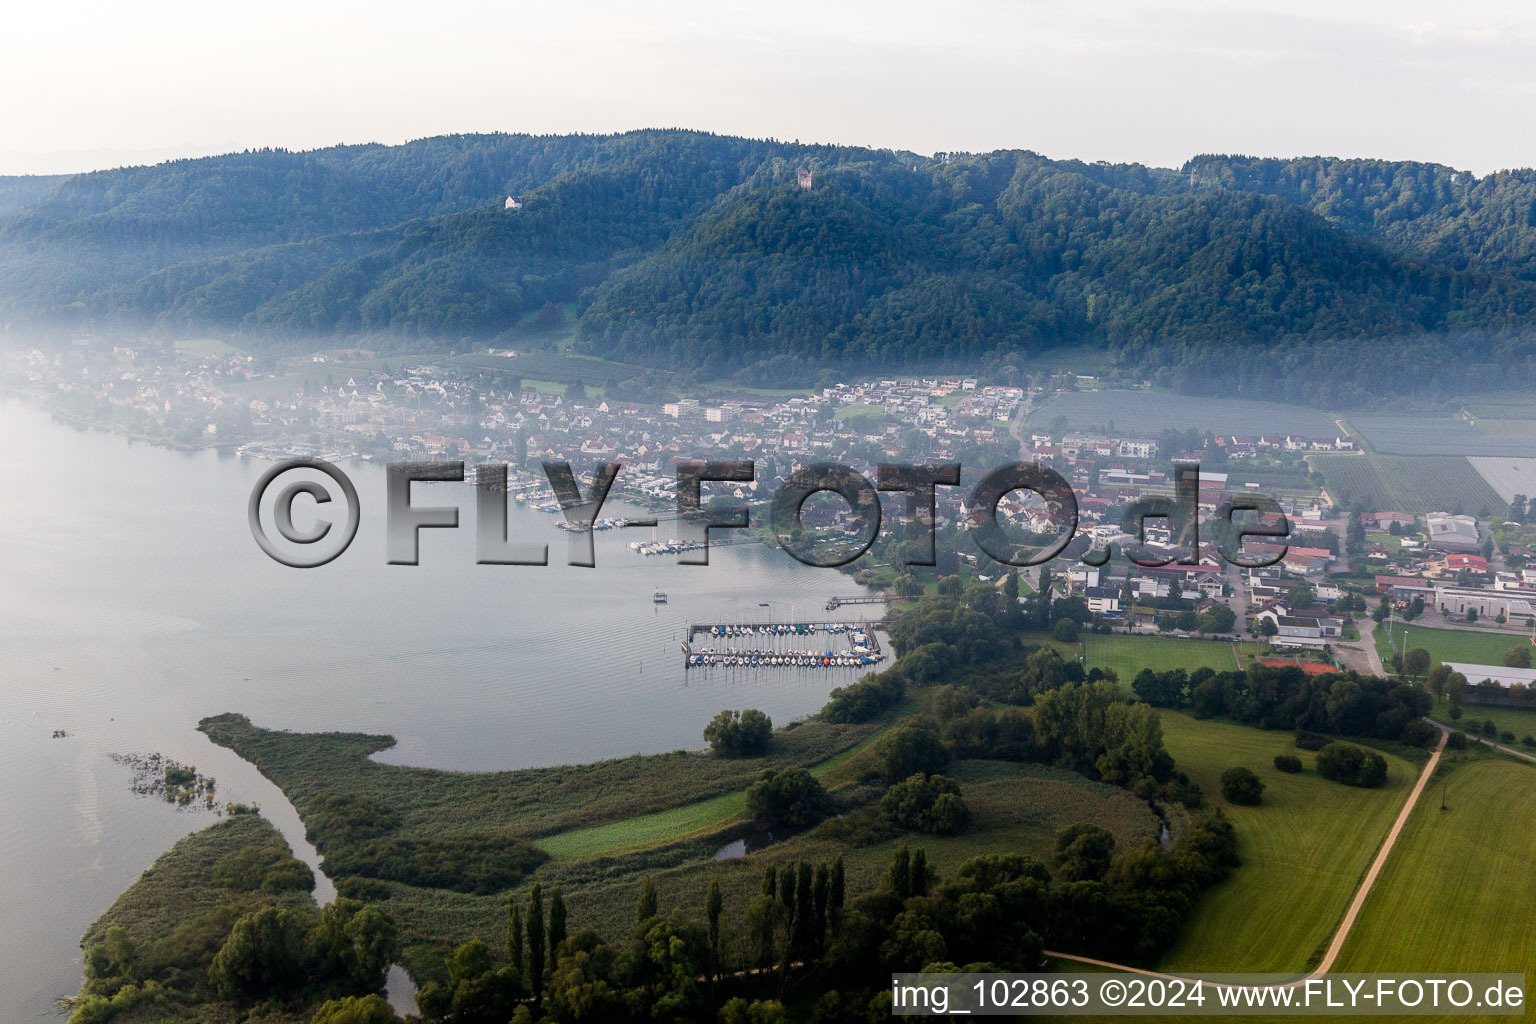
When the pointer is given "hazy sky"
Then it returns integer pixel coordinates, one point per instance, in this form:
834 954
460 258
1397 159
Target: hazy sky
94 84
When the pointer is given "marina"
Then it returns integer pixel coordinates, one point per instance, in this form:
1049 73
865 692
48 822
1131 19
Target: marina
600 524
668 547
782 645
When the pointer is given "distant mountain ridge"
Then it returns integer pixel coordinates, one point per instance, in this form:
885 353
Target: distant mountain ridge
687 249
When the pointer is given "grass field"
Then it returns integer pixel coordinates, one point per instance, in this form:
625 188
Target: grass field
1016 808
860 413
1304 850
671 825
1150 412
732 388
1406 483
1457 891
527 803
679 792
1071 652
1520 721
1481 647
1386 540
1453 894
561 367
199 348
648 829
552 370
1128 655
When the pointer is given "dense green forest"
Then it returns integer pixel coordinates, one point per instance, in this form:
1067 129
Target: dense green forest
693 250
19 192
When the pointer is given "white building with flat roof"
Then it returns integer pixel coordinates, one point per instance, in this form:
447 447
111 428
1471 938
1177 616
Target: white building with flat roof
1489 604
1452 533
1501 674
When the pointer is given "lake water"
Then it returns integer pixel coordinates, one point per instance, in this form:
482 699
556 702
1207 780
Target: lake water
134 602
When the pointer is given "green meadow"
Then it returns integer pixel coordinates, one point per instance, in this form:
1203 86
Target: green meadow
1480 647
1304 850
1015 808
671 825
1520 721
1456 892
1127 655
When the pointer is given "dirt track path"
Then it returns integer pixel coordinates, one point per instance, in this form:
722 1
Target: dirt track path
1511 751
1341 934
1366 884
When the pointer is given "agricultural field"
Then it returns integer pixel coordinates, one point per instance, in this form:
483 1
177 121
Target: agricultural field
1455 894
1275 481
1128 655
1507 427
1151 412
1401 483
552 366
1401 434
1507 476
294 374
1303 849
1510 405
1481 647
552 370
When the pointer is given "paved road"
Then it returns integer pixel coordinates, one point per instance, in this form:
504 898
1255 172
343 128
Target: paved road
1016 425
1341 934
1361 655
1238 602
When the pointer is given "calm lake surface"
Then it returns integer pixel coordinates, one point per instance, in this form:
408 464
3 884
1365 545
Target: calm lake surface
135 602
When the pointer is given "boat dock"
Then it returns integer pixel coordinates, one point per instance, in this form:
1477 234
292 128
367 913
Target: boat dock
782 645
834 603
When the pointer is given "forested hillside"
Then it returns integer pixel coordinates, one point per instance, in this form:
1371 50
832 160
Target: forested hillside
17 192
702 251
1429 211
